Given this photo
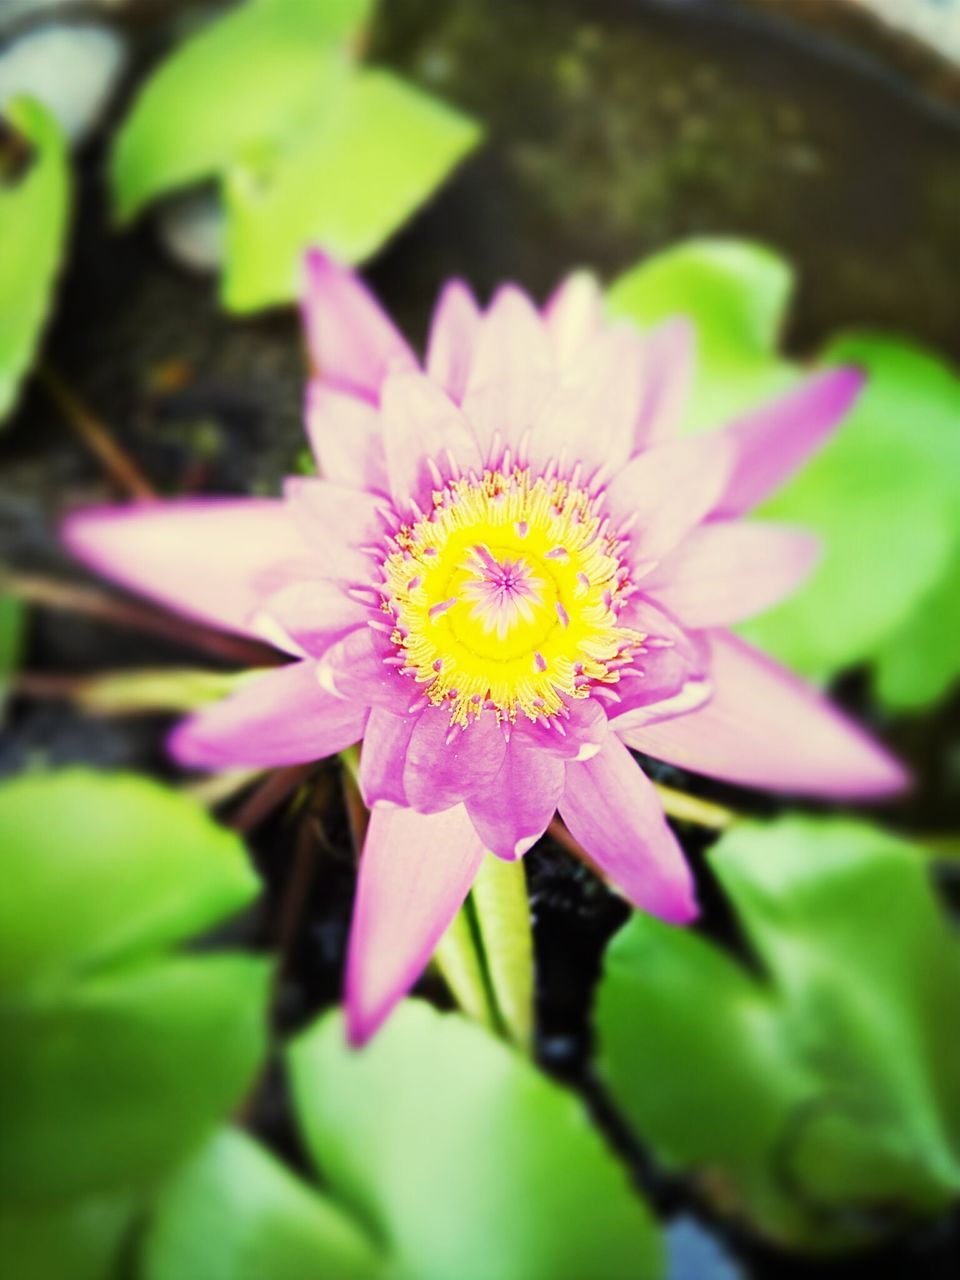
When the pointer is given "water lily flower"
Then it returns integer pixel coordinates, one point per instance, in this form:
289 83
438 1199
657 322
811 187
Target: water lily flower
512 570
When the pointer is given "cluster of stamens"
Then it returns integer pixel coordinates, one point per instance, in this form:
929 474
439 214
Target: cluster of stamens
506 595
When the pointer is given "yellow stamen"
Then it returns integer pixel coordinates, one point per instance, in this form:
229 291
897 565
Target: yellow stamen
507 594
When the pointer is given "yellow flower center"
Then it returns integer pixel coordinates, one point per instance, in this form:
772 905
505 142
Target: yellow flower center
506 596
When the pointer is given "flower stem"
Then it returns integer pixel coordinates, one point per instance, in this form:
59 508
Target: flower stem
688 808
502 908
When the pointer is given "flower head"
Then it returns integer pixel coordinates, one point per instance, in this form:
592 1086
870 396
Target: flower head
511 570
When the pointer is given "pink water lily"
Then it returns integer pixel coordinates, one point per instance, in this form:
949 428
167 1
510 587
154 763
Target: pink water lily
512 571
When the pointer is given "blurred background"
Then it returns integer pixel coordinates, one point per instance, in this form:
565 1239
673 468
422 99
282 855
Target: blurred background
777 1095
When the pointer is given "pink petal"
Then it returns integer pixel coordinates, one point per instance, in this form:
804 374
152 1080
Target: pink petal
345 437
282 717
415 872
512 813
444 765
662 493
670 671
592 413
356 667
576 736
208 558
612 808
727 570
771 443
339 524
511 374
352 340
669 359
382 757
315 614
765 728
453 333
574 314
421 424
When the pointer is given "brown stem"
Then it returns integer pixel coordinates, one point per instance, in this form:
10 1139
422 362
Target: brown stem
93 603
117 463
268 796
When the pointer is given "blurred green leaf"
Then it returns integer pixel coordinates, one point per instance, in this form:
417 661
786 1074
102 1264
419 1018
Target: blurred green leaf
33 224
235 1213
821 1101
884 497
162 689
736 292
119 1056
106 1083
464 1159
311 150
370 158
920 662
102 867
239 82
41 1243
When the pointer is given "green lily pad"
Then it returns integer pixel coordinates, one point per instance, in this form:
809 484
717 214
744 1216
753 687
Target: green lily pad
34 209
239 82
310 148
120 1054
736 293
818 1100
462 1158
367 162
235 1213
884 497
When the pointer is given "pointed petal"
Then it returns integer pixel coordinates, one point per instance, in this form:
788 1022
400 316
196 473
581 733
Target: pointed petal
728 570
421 423
661 494
456 322
765 728
415 872
208 558
513 812
282 717
668 672
352 340
574 314
337 523
345 437
669 360
511 374
612 808
382 757
772 442
591 415
444 765
315 615
355 668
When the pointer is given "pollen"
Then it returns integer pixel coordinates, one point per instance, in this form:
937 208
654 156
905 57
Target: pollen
506 596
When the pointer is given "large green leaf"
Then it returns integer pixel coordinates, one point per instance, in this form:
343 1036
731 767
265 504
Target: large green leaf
309 148
736 293
98 867
370 158
462 1158
80 1238
239 82
106 1083
820 1101
33 223
119 1055
920 661
884 497
235 1213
